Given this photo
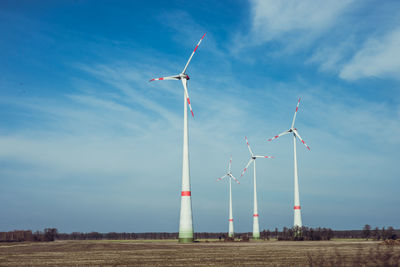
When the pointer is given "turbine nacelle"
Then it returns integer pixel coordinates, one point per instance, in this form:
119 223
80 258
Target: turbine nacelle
184 76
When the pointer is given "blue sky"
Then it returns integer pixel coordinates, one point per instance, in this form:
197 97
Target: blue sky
88 144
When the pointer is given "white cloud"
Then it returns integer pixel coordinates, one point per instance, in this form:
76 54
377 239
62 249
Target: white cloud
379 57
276 19
331 57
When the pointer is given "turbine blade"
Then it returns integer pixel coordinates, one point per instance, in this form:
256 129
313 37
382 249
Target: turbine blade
276 136
297 134
176 77
248 146
297 108
250 161
187 64
236 180
184 82
230 163
265 157
222 177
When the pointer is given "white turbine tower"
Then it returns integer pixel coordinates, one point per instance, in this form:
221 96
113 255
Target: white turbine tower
230 176
297 208
186 219
256 226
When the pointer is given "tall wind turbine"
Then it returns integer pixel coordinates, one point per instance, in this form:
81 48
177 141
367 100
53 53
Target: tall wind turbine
256 226
297 208
230 176
186 218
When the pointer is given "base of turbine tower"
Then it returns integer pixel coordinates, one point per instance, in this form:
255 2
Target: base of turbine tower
186 240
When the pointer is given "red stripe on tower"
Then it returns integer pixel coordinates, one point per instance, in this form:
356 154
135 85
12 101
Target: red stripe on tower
186 193
297 207
231 220
255 215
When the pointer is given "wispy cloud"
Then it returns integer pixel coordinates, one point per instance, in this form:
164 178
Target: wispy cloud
328 35
277 19
293 24
378 57
330 57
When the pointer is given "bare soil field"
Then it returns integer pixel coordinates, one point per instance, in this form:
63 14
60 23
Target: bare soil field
171 253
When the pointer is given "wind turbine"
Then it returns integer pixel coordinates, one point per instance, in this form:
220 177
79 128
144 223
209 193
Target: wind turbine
256 226
229 174
186 218
297 208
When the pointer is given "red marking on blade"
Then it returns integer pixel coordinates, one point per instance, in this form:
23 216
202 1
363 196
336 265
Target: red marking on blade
188 100
308 148
245 169
302 141
270 139
195 48
255 215
161 79
297 207
203 36
186 193
276 136
192 113
152 80
297 108
231 220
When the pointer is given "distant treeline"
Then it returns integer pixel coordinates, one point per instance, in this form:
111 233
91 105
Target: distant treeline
49 234
304 233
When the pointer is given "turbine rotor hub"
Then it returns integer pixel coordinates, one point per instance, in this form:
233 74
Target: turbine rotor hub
184 76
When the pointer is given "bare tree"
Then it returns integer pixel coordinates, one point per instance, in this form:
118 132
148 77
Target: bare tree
366 231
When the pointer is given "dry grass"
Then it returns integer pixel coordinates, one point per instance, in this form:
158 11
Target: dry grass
171 253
